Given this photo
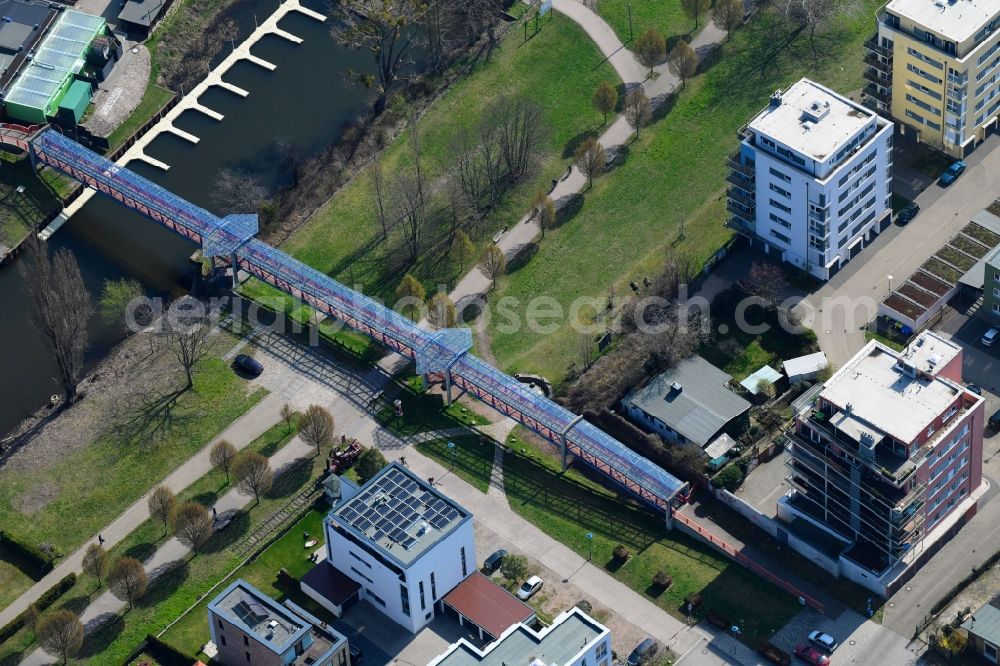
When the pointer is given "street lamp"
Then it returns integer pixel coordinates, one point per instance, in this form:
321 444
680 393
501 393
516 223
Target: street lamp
590 544
890 284
629 6
451 447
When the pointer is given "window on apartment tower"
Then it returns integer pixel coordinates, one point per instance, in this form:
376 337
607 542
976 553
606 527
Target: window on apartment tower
423 603
246 641
222 639
465 568
434 588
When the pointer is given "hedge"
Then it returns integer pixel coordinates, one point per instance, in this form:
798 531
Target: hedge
44 601
167 655
34 556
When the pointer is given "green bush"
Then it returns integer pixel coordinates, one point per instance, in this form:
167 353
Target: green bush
44 601
730 478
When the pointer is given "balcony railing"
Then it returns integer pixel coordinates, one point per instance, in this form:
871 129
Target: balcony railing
739 197
741 180
748 216
877 92
741 225
879 63
872 45
877 77
734 162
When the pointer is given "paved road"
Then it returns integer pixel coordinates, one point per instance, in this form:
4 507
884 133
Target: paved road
243 431
863 283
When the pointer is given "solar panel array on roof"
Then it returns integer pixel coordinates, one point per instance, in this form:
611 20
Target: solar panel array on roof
397 508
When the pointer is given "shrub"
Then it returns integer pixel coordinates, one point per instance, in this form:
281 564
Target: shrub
621 554
662 579
33 555
46 599
694 600
730 478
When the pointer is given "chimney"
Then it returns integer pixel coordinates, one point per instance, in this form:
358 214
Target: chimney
775 99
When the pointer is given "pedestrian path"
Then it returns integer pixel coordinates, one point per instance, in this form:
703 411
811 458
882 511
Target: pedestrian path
242 431
172 554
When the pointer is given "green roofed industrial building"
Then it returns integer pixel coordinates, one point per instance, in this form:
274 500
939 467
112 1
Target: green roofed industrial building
47 74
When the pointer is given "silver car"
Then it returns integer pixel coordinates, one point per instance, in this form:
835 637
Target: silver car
824 641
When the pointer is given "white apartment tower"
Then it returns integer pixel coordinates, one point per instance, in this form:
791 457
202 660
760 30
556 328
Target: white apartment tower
812 178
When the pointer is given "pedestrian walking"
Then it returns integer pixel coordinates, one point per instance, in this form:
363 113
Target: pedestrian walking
100 539
215 514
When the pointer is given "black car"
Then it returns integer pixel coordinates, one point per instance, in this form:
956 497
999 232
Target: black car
975 388
357 656
494 561
248 364
643 652
908 213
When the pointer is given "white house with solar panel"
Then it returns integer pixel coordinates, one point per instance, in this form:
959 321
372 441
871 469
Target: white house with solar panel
402 545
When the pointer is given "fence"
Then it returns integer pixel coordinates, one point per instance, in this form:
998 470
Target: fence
700 532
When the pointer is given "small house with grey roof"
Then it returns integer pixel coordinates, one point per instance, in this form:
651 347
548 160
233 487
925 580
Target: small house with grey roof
984 631
689 403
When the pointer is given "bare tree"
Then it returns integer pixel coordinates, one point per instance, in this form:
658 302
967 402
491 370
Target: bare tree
695 9
519 131
547 216
238 191
650 48
253 474
474 156
462 248
287 414
728 15
590 159
765 281
585 348
95 562
61 308
481 16
222 456
60 633
161 504
605 99
811 14
412 293
408 210
493 263
441 311
414 136
188 330
683 61
385 28
379 197
127 580
637 109
316 427
192 525
438 25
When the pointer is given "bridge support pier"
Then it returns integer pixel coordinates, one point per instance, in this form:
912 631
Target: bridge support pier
234 262
562 440
447 386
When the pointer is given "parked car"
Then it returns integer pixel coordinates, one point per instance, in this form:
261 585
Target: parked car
811 655
995 420
908 213
823 640
248 364
357 656
952 173
643 652
975 388
528 588
990 336
494 561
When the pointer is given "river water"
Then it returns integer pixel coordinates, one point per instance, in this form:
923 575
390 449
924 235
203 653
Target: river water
304 103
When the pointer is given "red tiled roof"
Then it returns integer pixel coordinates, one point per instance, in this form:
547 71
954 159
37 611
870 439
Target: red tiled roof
332 583
488 605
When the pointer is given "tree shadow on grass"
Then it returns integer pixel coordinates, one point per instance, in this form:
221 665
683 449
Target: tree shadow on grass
522 258
80 603
574 143
163 582
207 498
99 634
568 207
662 105
291 478
141 551
149 419
235 529
617 156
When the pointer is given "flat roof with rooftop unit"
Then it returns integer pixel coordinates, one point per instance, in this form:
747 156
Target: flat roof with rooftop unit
958 20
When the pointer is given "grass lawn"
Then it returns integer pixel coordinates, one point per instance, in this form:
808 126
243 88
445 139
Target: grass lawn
190 633
675 172
472 456
21 212
568 505
179 588
13 581
558 68
95 483
891 344
152 101
663 15
424 411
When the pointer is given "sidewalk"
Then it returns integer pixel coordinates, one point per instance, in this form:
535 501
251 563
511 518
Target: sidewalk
242 431
172 553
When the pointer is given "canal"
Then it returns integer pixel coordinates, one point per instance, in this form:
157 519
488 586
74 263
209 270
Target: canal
303 104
